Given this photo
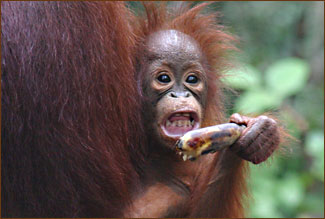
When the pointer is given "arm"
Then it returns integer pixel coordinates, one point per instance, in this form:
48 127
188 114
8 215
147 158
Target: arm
226 184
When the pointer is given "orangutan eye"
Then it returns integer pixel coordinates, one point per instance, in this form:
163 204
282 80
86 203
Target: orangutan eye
192 79
163 78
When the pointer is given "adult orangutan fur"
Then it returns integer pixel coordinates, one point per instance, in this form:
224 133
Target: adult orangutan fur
74 137
71 130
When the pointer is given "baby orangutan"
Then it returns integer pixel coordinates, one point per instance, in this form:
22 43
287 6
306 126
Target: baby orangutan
178 70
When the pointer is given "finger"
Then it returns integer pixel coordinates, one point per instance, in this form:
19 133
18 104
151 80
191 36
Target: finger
267 146
259 142
249 135
236 118
241 120
248 143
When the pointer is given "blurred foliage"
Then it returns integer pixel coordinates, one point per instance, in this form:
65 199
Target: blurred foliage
281 71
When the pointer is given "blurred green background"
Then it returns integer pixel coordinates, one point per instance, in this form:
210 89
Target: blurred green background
281 70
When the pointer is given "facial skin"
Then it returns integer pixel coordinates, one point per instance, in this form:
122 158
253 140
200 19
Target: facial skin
176 84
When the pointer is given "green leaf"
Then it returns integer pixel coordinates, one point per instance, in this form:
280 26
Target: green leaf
257 101
315 143
243 78
313 205
264 201
264 204
290 191
287 77
315 148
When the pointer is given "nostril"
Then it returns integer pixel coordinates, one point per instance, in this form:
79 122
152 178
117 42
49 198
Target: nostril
172 94
187 94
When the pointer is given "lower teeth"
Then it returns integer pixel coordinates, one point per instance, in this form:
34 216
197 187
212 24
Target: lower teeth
180 123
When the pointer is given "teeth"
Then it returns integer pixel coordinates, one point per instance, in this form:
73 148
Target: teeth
179 123
182 114
184 157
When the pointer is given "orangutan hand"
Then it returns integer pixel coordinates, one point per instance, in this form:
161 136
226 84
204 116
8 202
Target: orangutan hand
258 140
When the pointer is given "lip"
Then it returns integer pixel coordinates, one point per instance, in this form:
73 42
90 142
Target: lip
193 115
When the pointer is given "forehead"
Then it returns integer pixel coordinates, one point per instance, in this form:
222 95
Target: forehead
173 44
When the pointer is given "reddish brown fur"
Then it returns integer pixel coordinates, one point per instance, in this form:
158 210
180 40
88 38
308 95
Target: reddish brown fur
70 143
227 172
72 134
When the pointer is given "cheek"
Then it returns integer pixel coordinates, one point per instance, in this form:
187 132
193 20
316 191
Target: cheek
203 99
164 106
203 92
200 94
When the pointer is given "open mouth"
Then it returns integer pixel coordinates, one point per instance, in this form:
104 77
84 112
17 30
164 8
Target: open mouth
178 123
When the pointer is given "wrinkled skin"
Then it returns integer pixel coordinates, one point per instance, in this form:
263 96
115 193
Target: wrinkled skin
259 140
